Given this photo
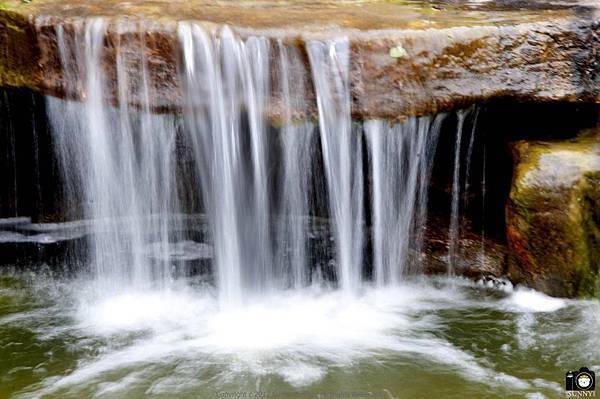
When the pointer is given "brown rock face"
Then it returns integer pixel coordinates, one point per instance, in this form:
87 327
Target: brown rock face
404 60
453 67
553 228
480 258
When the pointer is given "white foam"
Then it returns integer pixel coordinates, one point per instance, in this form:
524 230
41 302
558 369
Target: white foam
533 301
297 335
141 311
535 395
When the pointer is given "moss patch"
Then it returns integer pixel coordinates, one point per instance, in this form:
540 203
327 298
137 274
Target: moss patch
553 215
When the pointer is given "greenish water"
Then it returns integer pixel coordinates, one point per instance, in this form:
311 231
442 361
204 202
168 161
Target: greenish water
61 338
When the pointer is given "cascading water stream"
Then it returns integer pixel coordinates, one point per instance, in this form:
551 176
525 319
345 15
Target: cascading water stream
455 224
225 77
399 180
141 172
298 144
467 183
125 181
130 166
425 171
483 194
342 154
454 230
469 158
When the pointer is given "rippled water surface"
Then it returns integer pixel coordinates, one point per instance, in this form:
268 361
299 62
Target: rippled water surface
426 338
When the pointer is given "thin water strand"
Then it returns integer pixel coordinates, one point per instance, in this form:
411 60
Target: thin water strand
453 231
342 156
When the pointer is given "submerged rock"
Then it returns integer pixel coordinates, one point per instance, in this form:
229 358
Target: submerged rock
553 216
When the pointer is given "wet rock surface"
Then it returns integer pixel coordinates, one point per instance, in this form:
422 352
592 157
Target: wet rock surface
553 223
407 58
478 257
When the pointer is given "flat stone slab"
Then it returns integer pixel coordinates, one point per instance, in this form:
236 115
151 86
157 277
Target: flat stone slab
407 57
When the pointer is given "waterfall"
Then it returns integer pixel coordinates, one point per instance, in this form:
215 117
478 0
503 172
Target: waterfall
297 139
218 175
400 176
119 162
469 158
467 183
226 80
483 193
454 230
130 159
342 155
425 170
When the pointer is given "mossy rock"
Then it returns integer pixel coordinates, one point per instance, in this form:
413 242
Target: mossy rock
553 216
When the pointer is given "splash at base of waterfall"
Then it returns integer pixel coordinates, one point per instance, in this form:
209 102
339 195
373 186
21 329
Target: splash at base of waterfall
448 337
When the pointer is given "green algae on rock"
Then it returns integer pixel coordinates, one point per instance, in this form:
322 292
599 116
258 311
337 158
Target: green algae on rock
553 216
